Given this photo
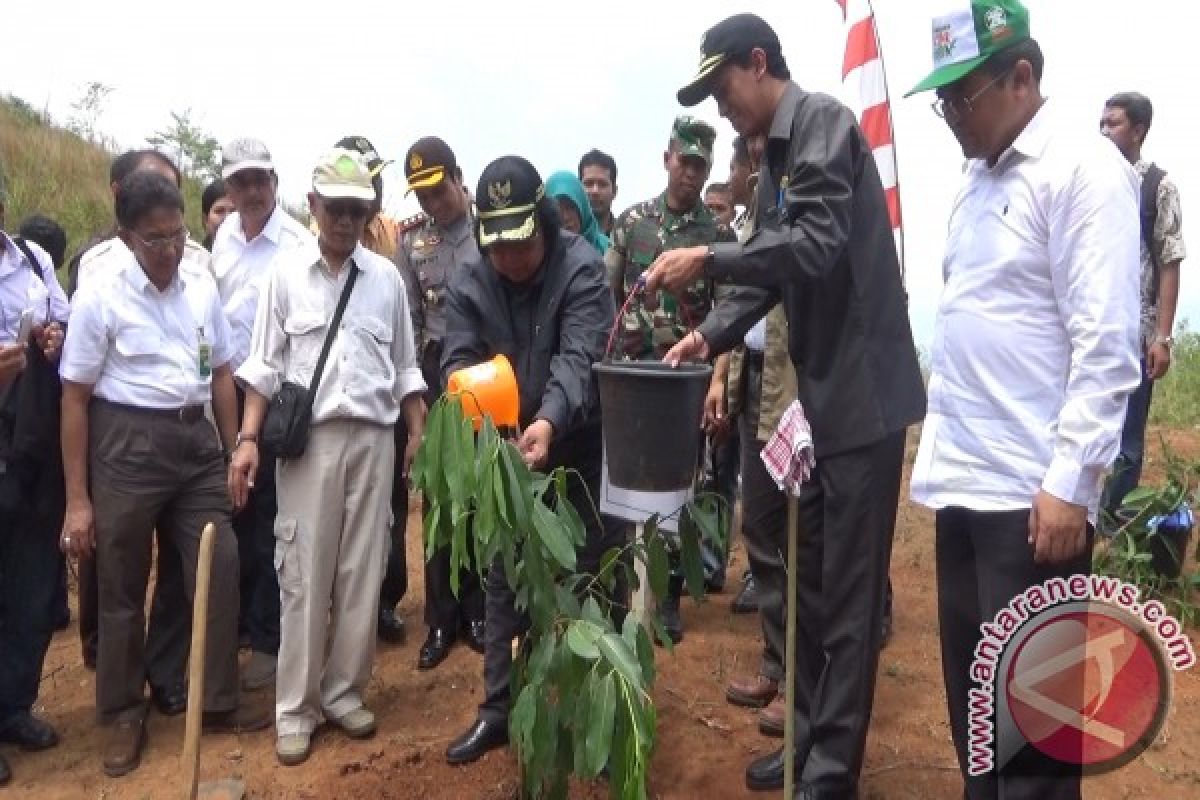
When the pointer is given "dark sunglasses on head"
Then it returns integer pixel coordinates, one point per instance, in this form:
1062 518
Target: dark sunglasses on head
353 209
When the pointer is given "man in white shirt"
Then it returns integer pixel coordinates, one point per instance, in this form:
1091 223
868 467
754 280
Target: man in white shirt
169 635
147 348
31 495
245 247
1034 355
332 528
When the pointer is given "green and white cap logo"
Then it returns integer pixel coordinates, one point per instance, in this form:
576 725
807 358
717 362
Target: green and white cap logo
967 35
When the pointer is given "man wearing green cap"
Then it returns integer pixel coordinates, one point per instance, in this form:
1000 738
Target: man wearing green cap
652 323
1035 353
823 246
334 499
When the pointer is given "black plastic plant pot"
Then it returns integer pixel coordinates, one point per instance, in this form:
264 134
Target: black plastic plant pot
1168 549
652 417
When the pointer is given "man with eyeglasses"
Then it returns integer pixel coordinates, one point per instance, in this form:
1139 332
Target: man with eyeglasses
1035 353
823 246
334 500
245 247
147 348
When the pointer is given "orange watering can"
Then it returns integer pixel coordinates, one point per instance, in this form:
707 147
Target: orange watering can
487 389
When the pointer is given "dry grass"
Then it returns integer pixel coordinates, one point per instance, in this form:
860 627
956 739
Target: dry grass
54 172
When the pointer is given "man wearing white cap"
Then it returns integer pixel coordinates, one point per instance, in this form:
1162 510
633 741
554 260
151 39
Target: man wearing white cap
332 527
244 248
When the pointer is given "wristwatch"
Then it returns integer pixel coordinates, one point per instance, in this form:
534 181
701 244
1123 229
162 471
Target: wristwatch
244 437
1169 341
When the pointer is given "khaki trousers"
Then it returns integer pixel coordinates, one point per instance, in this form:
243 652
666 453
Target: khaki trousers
330 551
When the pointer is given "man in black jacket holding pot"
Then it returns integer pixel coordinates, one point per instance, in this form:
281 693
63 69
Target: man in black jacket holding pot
824 248
538 297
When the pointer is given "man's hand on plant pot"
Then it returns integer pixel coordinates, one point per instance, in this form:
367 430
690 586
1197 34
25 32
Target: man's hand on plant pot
690 348
1057 529
534 443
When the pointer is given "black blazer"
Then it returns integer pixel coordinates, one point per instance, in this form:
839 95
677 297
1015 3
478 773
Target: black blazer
824 247
552 330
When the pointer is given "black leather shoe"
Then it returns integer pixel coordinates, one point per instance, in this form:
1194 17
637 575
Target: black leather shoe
170 700
473 632
746 601
671 620
391 627
765 774
5 772
29 732
436 648
481 737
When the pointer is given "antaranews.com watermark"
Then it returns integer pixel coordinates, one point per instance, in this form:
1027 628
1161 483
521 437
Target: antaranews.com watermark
1078 667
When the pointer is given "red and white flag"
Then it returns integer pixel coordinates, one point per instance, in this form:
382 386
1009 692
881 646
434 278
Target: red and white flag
866 93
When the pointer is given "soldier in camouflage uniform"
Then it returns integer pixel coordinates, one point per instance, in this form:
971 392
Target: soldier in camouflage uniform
676 218
433 247
650 326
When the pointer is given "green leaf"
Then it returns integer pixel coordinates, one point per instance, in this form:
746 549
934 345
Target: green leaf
568 603
645 652
593 614
658 566
553 536
708 512
432 522
581 638
623 659
690 559
498 491
571 522
467 455
518 485
602 704
522 718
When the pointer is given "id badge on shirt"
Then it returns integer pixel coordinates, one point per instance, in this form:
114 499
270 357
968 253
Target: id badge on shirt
203 353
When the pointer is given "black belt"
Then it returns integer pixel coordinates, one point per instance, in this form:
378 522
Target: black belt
188 415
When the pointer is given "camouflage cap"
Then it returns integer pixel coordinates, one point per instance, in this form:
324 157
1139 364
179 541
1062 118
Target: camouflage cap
694 137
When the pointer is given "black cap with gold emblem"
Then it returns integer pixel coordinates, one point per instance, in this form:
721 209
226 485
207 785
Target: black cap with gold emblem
428 162
507 198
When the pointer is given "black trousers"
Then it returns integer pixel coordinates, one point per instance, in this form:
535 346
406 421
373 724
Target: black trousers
984 560
847 515
30 562
254 526
504 621
395 575
764 527
169 634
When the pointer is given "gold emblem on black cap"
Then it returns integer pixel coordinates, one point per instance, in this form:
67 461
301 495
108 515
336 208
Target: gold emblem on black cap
415 162
500 193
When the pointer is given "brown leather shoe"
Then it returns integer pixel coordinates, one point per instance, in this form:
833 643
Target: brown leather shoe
753 692
771 718
123 747
243 719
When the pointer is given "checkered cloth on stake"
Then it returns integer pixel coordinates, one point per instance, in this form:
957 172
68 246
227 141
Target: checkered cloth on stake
788 454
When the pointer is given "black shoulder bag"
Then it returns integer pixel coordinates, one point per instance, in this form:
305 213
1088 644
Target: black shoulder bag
289 416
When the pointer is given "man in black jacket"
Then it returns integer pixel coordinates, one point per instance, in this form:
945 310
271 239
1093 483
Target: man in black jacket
539 298
824 247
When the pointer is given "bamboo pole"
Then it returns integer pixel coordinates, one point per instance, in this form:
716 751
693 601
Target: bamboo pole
789 720
195 704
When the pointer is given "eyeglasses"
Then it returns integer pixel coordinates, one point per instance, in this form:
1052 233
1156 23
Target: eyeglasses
347 208
953 108
160 244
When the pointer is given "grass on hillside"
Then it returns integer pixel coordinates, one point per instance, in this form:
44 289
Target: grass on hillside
52 171
1176 401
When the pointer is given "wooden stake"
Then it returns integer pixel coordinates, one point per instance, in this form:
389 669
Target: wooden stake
195 704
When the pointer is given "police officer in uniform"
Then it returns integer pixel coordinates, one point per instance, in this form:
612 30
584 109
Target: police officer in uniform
433 247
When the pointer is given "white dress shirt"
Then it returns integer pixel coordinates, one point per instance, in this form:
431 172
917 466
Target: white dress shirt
1036 344
140 346
241 269
22 290
372 362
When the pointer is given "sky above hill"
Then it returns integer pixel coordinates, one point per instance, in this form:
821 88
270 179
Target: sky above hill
550 81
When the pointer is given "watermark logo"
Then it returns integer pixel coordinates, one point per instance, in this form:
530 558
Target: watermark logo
1077 667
